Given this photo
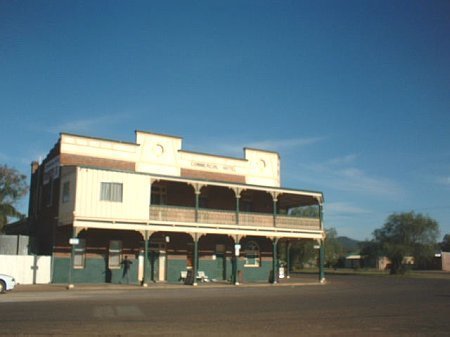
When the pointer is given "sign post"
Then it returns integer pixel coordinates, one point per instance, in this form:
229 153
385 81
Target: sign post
237 249
73 242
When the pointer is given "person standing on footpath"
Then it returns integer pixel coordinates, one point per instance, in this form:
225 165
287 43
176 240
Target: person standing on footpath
126 267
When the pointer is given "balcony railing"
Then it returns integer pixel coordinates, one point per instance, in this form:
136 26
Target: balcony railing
212 216
172 213
216 216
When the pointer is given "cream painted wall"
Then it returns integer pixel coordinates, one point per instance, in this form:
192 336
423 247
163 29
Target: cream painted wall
263 168
210 163
136 195
158 154
65 215
161 154
92 147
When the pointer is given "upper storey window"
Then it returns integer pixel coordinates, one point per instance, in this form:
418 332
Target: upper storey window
66 192
111 192
158 195
252 255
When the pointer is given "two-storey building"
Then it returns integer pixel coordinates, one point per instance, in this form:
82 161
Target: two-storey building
167 212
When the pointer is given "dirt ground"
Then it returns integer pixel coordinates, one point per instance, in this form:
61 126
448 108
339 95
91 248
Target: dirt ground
347 305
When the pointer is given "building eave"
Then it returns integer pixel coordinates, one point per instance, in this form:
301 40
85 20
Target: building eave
313 194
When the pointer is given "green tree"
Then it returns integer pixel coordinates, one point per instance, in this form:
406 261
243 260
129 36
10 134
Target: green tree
333 248
445 244
305 211
370 250
12 187
302 252
407 234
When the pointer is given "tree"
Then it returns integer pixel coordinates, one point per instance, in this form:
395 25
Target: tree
12 187
407 234
445 244
305 211
370 250
302 252
333 248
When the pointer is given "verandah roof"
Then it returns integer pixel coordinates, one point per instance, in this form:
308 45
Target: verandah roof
289 196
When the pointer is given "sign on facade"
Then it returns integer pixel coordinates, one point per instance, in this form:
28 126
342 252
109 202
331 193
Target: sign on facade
237 248
51 170
74 241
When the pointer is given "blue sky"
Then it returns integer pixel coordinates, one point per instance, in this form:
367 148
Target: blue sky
354 95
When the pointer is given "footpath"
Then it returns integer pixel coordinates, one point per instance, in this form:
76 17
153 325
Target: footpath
52 287
299 279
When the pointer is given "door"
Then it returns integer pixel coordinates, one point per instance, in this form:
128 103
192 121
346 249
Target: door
162 262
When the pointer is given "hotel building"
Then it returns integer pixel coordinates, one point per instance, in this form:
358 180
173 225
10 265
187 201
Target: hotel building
171 214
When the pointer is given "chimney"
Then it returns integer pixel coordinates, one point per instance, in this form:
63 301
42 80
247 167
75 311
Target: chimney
34 166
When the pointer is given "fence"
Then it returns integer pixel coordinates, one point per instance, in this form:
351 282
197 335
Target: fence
16 245
445 261
27 269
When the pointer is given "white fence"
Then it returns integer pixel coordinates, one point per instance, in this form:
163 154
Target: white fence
27 269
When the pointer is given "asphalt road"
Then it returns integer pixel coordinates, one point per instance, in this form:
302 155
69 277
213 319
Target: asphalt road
346 306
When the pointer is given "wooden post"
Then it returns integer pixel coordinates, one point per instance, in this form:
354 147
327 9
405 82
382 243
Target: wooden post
275 261
195 262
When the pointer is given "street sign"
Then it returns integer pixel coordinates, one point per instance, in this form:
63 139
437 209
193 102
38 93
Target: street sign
237 248
74 241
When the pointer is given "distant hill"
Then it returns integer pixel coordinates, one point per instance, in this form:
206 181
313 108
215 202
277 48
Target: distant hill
349 245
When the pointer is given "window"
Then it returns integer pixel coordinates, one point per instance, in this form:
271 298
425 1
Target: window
252 256
79 254
111 192
66 192
115 251
246 204
220 249
159 195
203 201
49 195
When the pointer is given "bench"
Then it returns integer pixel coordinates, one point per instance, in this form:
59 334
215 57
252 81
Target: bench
201 276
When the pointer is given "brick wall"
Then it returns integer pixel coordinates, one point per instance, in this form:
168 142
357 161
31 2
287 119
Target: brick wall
186 173
75 160
446 261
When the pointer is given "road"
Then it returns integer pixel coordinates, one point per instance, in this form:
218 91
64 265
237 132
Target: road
345 306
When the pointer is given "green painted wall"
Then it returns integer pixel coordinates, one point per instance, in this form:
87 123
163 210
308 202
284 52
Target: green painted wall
95 271
60 270
214 270
217 269
251 274
174 267
153 264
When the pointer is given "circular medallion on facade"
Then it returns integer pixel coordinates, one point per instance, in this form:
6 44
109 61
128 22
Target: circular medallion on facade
261 165
158 150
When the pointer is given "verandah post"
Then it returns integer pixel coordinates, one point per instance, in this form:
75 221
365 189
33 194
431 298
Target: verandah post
195 262
197 197
288 258
146 239
235 260
238 197
233 268
322 248
275 261
321 261
71 263
275 199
